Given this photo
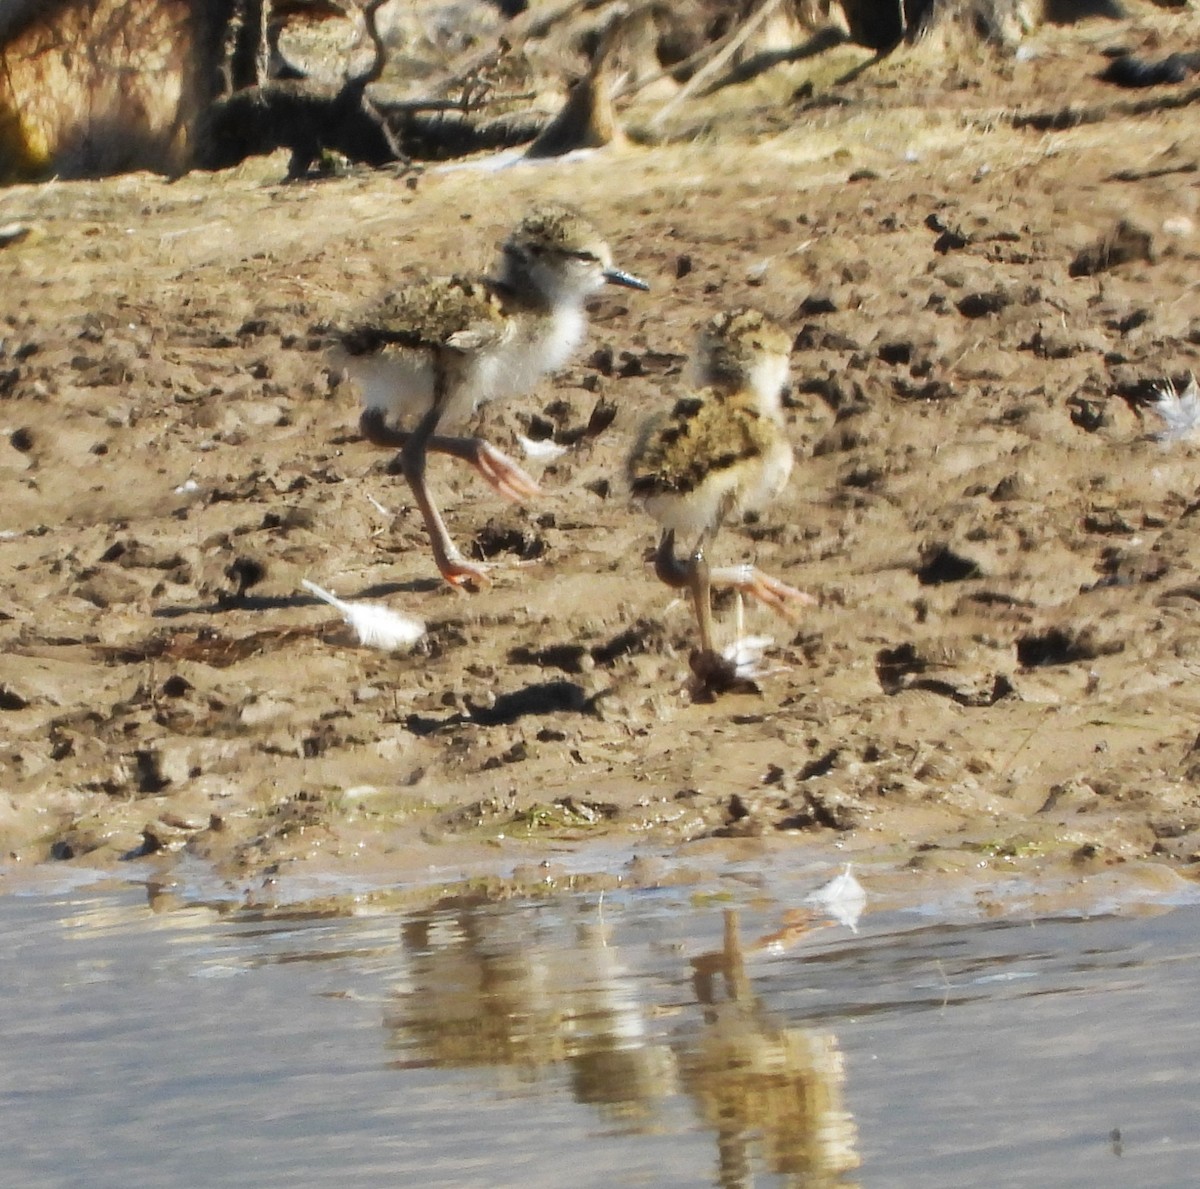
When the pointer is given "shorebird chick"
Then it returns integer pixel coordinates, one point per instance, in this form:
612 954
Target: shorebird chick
721 449
431 353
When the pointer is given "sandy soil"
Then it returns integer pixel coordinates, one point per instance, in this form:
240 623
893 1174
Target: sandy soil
1000 673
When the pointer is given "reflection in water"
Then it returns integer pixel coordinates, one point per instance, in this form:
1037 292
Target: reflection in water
640 1045
485 989
486 992
753 1076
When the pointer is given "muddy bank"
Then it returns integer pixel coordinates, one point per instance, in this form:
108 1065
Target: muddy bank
1001 668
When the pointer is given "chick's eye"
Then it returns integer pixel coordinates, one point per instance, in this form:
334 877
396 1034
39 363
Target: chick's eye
585 256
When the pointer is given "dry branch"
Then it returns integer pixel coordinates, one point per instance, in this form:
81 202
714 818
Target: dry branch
732 42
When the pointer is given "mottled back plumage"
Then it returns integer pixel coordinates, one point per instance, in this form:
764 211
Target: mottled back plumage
722 446
429 314
705 433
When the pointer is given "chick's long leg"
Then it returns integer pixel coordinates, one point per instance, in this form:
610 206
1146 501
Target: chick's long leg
700 586
691 574
496 469
451 564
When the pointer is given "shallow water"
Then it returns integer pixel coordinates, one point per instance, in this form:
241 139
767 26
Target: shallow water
656 1038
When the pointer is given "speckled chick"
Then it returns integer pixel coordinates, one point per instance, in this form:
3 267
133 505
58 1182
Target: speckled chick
429 354
720 449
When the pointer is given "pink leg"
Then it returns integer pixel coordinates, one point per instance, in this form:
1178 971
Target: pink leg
771 592
450 562
496 469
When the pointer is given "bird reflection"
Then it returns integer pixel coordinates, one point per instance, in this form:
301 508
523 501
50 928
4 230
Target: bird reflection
484 993
752 1077
488 989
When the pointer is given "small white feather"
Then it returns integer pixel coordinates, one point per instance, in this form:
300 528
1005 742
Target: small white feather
843 897
745 654
13 233
1178 411
545 451
375 626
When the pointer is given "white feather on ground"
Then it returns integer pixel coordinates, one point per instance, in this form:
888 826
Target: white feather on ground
545 451
843 897
1179 412
746 653
375 626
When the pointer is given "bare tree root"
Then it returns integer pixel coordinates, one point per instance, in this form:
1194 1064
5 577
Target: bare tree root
306 117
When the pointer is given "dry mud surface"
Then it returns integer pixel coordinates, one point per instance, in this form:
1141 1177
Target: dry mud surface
1001 672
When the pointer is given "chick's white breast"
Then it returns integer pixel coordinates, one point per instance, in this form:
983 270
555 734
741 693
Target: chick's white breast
537 348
